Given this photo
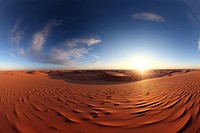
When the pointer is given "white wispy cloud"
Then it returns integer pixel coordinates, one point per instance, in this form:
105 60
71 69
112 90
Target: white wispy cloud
21 51
148 16
16 34
73 50
10 53
69 52
40 37
65 56
95 56
93 41
199 44
89 41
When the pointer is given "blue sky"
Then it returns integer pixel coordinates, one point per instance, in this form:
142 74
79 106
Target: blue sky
99 34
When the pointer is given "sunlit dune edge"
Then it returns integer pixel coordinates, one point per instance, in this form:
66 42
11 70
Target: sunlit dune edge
100 101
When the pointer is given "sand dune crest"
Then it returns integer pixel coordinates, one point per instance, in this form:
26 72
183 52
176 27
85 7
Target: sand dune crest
51 101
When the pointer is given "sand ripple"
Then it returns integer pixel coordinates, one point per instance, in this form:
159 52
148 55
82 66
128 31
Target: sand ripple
34 102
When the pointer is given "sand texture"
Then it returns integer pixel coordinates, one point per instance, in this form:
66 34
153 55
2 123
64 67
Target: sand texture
165 101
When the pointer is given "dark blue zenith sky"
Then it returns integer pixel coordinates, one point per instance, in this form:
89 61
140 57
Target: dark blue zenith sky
96 34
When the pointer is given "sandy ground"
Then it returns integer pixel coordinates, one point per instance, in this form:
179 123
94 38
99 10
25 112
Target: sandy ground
57 101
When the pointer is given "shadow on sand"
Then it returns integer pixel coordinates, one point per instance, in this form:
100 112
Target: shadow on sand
104 77
90 78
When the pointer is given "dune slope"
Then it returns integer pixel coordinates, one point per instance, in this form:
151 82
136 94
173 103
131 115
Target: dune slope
36 102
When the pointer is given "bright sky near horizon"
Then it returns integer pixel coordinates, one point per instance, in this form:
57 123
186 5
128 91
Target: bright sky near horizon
99 34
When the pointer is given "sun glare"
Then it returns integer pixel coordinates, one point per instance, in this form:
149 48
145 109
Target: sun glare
141 63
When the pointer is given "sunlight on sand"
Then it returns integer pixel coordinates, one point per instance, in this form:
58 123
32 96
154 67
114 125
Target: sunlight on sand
99 101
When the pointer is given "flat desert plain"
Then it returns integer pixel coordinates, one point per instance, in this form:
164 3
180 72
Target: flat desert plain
165 101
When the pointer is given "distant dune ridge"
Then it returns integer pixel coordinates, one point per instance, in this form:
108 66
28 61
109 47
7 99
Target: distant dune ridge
166 101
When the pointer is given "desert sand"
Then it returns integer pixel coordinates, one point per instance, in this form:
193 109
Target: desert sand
165 101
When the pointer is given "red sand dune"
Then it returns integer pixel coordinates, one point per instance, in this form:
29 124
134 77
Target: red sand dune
118 76
48 101
37 73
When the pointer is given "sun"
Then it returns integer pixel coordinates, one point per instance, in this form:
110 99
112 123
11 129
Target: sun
141 63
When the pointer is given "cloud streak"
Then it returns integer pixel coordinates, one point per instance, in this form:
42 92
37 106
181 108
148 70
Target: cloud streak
73 50
69 52
40 37
89 41
21 51
199 44
66 57
16 34
148 16
66 53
